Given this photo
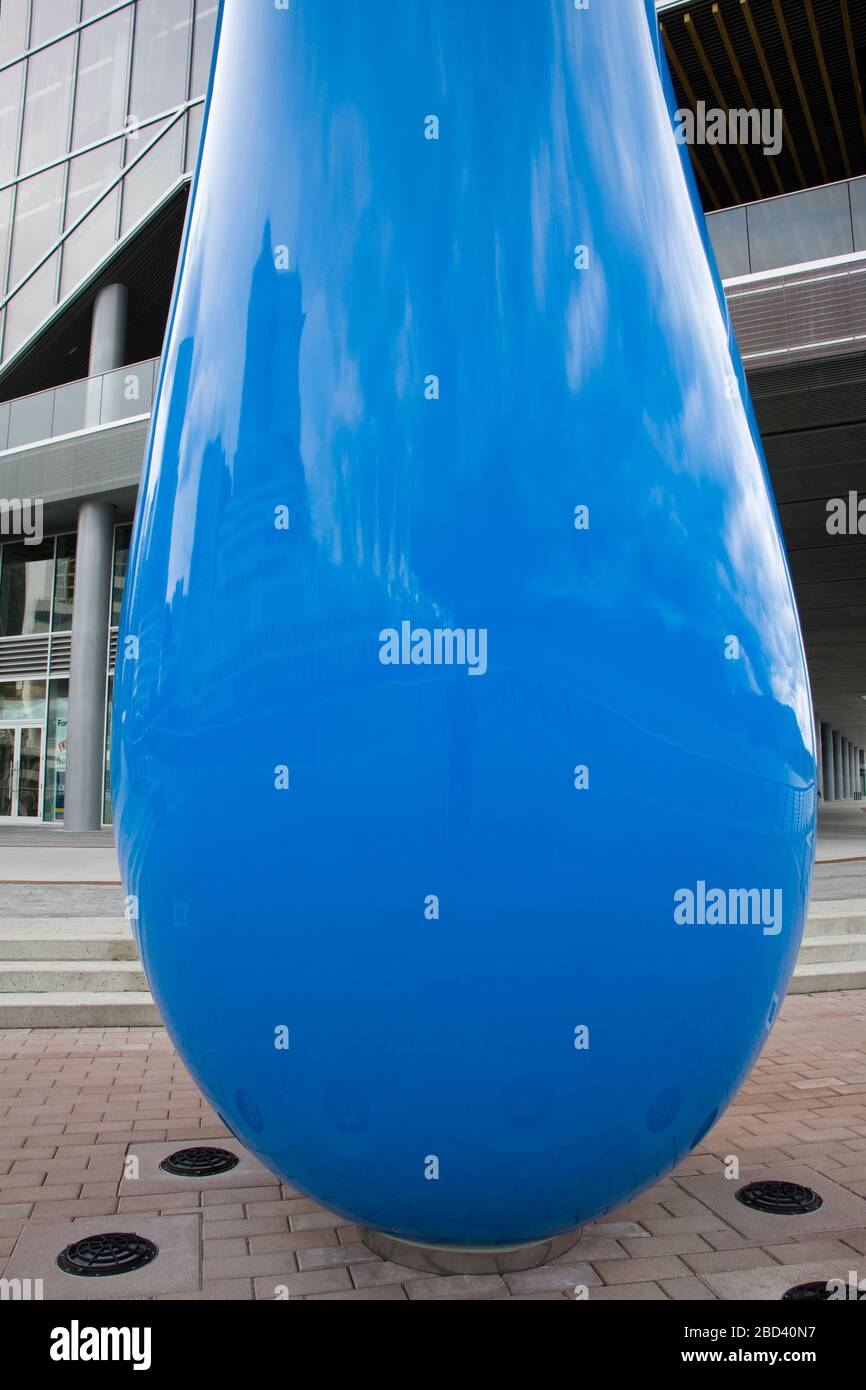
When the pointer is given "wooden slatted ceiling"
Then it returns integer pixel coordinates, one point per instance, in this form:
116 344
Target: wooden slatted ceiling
807 57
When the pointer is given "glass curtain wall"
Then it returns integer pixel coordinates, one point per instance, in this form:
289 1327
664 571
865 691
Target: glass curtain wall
37 588
100 118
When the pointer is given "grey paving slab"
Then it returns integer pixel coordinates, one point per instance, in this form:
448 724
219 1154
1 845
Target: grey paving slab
772 1281
152 1180
841 1208
176 1268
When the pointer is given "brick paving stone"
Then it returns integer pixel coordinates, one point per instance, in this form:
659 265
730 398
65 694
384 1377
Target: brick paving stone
638 1270
723 1261
689 1290
73 1101
665 1245
549 1277
373 1272
827 1248
332 1255
458 1286
294 1240
384 1292
299 1285
648 1292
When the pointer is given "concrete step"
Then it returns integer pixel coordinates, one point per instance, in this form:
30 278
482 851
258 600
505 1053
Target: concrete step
70 938
78 1009
836 917
848 946
55 976
820 976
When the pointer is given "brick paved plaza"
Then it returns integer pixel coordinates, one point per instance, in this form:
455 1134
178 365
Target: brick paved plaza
74 1104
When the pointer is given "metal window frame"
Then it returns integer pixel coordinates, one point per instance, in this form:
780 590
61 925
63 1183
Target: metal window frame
165 120
67 33
109 188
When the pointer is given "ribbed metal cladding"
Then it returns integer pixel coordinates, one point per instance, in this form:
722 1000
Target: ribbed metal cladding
98 461
805 395
112 649
61 649
810 313
22 657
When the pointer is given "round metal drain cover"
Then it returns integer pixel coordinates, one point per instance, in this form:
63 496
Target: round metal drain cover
199 1163
780 1198
97 1257
820 1292
816 1292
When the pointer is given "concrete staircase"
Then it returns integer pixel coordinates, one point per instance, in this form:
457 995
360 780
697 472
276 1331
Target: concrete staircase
833 953
71 972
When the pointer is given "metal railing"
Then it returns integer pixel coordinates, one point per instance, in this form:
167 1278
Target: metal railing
814 224
123 394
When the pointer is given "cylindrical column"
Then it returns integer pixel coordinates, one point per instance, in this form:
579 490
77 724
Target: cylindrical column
853 757
837 765
846 768
828 790
90 615
108 329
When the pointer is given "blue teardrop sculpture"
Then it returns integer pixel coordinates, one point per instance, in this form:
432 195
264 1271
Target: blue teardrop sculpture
463 751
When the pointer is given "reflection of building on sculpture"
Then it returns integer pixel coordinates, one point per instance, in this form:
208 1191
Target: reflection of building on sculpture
396 364
47 344
472 873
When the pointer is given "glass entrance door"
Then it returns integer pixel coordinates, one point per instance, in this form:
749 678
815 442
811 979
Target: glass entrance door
20 771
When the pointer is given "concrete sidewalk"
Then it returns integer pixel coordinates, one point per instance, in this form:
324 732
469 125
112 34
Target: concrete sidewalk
48 854
841 831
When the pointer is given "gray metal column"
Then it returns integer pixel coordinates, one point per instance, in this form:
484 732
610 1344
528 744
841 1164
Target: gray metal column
828 790
108 329
853 757
90 616
837 764
846 769
91 606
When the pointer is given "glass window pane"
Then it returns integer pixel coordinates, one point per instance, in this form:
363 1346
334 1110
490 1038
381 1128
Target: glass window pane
805 226
202 45
64 583
70 408
25 588
84 248
22 700
37 221
46 105
52 17
153 175
122 539
858 212
55 750
30 306
13 28
100 97
159 59
30 418
10 103
4 423
89 174
730 242
127 392
5 211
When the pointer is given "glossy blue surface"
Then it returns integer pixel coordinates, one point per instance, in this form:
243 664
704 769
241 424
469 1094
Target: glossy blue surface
335 261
